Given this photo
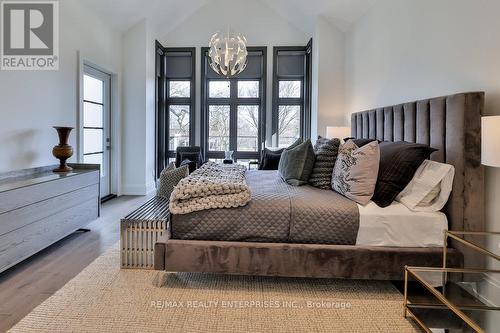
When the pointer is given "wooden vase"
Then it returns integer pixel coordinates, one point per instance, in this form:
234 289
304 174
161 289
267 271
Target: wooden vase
63 150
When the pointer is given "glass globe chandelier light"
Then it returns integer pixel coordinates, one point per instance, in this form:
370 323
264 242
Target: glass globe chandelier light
228 53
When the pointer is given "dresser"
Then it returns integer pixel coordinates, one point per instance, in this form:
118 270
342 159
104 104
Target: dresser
39 207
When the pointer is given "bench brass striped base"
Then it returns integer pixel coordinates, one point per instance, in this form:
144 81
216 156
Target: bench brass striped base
139 232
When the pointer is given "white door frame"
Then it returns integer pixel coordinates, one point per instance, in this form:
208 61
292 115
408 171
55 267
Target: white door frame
115 128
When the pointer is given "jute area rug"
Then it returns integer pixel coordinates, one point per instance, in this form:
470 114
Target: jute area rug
103 298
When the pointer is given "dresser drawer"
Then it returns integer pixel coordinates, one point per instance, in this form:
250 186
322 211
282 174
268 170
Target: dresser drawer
26 241
23 216
27 195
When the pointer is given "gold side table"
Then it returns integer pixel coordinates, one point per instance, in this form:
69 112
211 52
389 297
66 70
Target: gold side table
456 305
454 298
476 242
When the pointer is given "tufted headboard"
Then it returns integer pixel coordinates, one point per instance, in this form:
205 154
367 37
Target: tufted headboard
451 124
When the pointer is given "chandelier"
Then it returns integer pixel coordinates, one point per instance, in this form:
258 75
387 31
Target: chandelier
228 54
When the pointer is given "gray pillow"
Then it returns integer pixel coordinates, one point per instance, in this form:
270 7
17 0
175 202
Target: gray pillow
326 151
296 163
356 170
295 144
169 178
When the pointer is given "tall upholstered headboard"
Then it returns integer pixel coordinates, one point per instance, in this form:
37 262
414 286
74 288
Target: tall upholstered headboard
451 124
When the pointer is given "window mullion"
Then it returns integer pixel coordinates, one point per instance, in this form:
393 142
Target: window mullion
233 122
290 101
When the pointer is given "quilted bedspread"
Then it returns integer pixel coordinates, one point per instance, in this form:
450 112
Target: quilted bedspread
277 212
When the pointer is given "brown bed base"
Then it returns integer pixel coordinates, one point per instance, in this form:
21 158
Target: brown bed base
450 123
296 260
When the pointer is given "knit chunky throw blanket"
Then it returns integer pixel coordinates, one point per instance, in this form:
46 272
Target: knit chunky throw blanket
211 186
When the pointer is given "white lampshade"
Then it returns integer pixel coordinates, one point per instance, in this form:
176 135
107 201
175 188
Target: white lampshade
490 141
337 132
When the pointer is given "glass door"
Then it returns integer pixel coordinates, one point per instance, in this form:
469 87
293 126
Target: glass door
96 123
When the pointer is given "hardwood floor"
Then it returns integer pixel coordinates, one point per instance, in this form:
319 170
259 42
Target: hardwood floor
32 281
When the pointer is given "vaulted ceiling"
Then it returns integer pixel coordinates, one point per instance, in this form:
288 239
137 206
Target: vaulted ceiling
122 14
341 13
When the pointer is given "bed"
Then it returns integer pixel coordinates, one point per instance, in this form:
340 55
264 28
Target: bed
302 231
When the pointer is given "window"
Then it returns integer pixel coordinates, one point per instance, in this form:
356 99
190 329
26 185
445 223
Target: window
179 122
248 128
175 75
288 124
218 127
291 94
233 110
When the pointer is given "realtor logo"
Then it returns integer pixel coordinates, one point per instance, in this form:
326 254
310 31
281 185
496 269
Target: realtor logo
29 35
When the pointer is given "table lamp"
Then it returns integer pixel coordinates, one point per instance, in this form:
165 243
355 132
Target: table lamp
490 141
338 132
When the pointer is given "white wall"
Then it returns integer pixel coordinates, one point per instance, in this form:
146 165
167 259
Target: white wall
407 49
138 159
31 102
404 50
261 25
134 110
328 99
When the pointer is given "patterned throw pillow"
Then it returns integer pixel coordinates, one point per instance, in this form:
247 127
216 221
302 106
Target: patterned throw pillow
326 151
355 172
169 177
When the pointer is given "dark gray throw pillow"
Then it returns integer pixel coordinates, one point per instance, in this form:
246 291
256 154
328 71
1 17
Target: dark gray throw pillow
169 178
398 163
295 144
326 151
296 163
270 159
360 142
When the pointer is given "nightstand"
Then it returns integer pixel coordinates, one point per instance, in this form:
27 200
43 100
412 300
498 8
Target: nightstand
450 299
454 298
474 241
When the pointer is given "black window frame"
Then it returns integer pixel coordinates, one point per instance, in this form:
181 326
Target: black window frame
233 101
164 101
160 103
304 101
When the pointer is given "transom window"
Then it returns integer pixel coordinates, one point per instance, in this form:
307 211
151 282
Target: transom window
179 89
233 110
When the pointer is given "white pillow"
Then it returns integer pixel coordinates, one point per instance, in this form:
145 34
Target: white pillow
430 187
